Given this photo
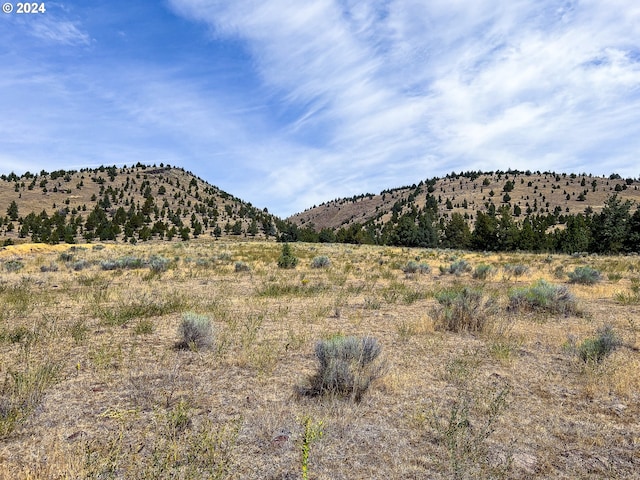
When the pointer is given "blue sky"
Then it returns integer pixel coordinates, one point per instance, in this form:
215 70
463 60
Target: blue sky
287 104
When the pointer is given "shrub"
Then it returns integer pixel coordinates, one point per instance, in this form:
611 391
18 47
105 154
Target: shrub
483 271
515 270
241 267
594 350
458 267
414 267
464 310
584 276
543 297
52 267
13 265
80 265
66 256
320 262
195 332
346 367
158 264
287 260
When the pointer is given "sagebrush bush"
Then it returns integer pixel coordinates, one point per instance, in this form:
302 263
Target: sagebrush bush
483 271
13 265
515 270
595 350
346 367
158 264
241 267
81 265
462 310
584 276
195 332
414 267
459 267
321 261
543 297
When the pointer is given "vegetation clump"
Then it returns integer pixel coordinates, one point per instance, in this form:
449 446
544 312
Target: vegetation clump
13 265
543 297
584 276
346 367
195 332
457 268
241 267
462 310
483 271
414 267
595 350
287 259
321 261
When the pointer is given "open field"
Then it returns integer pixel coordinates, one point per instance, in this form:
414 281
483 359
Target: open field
92 384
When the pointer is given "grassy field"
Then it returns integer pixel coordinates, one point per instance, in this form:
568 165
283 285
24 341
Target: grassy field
475 379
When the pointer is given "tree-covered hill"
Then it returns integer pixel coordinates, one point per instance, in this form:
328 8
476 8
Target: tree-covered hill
132 204
489 211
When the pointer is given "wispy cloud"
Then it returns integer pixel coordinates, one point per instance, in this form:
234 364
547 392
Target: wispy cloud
59 31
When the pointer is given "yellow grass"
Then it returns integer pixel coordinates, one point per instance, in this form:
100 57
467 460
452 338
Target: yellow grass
129 405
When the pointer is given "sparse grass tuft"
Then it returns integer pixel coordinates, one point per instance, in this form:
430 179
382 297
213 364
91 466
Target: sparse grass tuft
462 310
346 367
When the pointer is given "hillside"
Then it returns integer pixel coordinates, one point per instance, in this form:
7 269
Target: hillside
123 204
466 193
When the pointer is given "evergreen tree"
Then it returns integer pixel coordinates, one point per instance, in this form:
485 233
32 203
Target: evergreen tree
484 236
457 233
610 231
12 211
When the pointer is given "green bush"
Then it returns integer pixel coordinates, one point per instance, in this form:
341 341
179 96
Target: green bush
52 267
195 332
158 264
320 262
80 265
287 260
457 268
515 270
543 297
13 265
241 267
595 350
483 271
414 267
346 367
584 276
462 310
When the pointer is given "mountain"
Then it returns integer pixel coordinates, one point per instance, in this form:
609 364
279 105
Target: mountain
466 193
500 210
123 204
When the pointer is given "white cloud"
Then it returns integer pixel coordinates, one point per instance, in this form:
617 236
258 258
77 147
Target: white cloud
59 31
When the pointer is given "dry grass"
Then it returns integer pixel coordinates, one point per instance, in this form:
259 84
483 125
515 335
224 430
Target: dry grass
511 401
